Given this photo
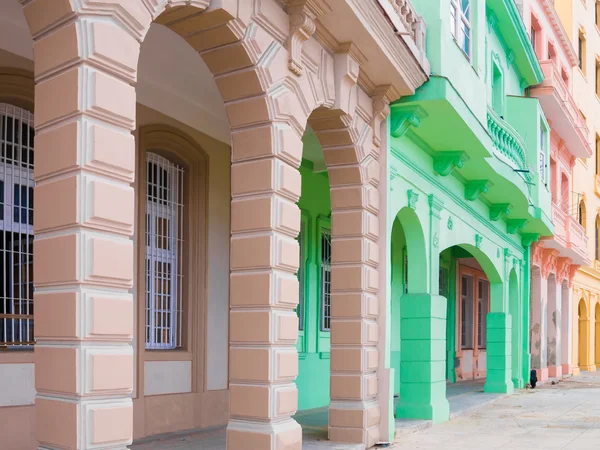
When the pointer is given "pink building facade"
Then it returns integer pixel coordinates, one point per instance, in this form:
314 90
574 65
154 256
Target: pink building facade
554 261
122 95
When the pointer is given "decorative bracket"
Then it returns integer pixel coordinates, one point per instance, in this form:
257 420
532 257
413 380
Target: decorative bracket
529 238
403 118
474 188
497 209
445 162
303 15
436 205
381 109
478 240
413 197
515 225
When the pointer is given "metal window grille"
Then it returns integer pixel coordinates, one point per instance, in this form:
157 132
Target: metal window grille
325 280
164 248
300 308
16 226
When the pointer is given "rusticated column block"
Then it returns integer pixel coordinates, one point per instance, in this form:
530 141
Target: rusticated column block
498 353
84 208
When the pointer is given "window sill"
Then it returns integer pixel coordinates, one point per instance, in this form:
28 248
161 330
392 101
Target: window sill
467 57
167 355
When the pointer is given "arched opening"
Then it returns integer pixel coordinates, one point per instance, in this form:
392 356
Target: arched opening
597 340
583 336
408 270
552 315
470 300
314 276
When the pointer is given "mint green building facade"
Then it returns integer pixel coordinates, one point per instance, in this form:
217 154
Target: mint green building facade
469 194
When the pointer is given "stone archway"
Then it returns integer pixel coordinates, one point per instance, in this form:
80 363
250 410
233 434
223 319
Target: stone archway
85 112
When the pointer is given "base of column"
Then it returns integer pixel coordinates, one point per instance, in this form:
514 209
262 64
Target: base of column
437 412
354 423
518 383
590 368
243 435
542 374
576 371
555 372
567 369
499 387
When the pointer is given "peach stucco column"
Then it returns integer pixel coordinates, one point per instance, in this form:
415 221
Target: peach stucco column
265 220
354 413
84 209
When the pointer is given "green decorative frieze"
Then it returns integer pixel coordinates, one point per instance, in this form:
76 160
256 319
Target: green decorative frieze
474 188
497 209
445 162
515 225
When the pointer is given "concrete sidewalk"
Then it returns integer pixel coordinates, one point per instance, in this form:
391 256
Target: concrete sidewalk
563 416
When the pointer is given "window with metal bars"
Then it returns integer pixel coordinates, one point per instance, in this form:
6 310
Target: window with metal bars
301 275
325 280
164 248
16 226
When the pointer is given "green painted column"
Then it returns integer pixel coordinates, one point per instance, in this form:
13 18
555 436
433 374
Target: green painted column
499 360
423 363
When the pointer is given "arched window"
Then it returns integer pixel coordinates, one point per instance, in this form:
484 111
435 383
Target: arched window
460 24
164 263
16 226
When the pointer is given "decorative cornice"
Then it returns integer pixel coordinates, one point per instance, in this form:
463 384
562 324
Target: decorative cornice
445 162
474 188
405 117
515 225
497 209
549 261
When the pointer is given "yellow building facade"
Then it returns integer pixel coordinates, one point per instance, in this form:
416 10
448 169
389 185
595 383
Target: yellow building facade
581 19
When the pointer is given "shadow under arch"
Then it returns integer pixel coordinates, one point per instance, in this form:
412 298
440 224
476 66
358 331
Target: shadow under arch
407 230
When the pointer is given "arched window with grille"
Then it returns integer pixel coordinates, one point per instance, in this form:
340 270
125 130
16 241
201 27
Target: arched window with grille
164 241
16 226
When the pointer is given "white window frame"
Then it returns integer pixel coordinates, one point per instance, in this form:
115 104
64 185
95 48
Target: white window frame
20 255
460 18
164 333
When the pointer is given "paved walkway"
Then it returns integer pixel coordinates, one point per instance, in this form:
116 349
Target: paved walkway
563 416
